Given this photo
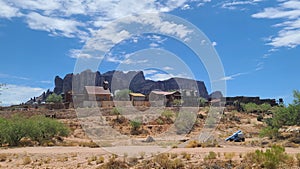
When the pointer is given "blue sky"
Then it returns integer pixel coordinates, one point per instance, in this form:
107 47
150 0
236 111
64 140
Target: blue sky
257 42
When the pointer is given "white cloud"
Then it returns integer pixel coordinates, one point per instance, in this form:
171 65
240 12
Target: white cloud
156 76
288 11
233 4
259 66
154 45
149 72
214 43
14 94
168 68
7 76
126 61
231 77
8 11
186 7
76 53
56 26
64 17
46 81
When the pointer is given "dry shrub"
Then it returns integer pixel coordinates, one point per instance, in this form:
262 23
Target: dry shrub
164 161
3 157
26 160
229 156
113 163
272 158
298 159
211 156
193 144
100 160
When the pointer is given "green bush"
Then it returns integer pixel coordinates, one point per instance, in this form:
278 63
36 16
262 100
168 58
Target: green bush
283 116
211 155
36 128
269 132
116 111
272 158
54 98
177 102
135 125
167 114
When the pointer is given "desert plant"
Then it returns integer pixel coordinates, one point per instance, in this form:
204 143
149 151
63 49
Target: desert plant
167 114
26 160
211 155
177 102
272 158
54 98
35 128
229 156
135 125
160 121
164 161
116 111
193 144
298 159
142 154
100 160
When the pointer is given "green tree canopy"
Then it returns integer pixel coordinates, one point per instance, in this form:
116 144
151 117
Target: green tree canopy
123 95
283 116
54 98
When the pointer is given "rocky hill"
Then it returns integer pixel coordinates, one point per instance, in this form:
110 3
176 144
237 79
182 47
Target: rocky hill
133 80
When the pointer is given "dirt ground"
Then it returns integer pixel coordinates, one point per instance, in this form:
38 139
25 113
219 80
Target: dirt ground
85 157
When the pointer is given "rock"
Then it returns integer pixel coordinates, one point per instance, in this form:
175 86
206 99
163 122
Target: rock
216 95
58 82
133 80
149 139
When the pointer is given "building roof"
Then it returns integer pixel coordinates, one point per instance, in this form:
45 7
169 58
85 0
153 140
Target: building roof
164 93
137 94
96 90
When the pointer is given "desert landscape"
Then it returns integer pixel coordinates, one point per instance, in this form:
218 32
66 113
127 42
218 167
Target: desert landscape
78 150
149 84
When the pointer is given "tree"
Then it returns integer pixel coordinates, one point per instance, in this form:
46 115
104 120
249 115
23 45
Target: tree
283 116
123 95
54 98
296 95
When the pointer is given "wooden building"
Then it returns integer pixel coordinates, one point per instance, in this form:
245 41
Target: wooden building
97 93
138 99
161 98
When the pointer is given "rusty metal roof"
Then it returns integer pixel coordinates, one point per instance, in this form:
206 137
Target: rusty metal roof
96 90
137 94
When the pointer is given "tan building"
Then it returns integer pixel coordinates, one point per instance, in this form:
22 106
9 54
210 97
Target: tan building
97 93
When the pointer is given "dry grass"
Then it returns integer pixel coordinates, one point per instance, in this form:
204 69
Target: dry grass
229 156
193 144
26 160
298 159
3 157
